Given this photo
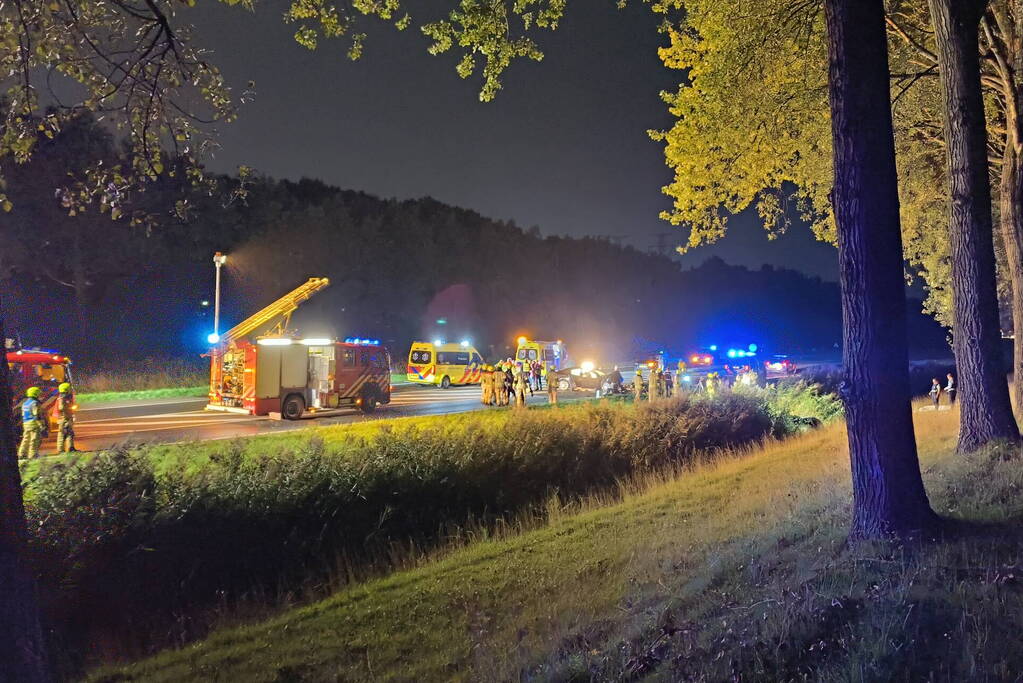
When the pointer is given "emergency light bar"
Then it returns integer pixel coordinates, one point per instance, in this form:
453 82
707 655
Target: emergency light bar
316 341
362 342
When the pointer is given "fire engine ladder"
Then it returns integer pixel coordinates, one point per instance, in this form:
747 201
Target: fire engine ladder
279 310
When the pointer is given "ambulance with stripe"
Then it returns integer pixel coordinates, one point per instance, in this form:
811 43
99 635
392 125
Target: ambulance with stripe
444 364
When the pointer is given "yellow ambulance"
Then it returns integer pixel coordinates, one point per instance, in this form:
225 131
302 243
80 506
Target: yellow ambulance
444 364
552 354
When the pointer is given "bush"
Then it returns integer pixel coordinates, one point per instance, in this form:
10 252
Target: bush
134 550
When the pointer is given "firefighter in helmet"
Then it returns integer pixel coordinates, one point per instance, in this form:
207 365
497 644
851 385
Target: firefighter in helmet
637 384
521 385
66 423
32 427
486 386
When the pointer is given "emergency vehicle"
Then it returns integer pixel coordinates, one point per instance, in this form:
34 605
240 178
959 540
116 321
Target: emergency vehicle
552 354
444 364
260 367
35 367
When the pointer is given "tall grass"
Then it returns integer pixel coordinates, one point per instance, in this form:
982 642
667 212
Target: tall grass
136 552
140 375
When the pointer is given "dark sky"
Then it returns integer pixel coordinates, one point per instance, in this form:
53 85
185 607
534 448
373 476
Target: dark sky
563 147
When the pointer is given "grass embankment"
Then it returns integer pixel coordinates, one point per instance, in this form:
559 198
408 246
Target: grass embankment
141 548
136 379
739 566
141 394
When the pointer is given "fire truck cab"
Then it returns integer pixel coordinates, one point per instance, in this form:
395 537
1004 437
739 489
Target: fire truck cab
34 367
261 367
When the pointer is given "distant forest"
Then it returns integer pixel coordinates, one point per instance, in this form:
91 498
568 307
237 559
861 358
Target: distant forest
103 289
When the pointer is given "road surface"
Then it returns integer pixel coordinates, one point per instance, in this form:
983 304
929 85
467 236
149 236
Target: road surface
103 425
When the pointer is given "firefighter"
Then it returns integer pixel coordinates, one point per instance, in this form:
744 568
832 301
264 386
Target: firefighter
497 378
485 386
552 387
637 384
680 372
31 424
521 386
66 424
654 387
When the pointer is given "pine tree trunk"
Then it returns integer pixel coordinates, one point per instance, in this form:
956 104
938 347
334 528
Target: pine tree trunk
21 638
984 407
888 492
1010 198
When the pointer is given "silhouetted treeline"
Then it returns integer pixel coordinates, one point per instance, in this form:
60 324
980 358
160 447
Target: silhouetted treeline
103 290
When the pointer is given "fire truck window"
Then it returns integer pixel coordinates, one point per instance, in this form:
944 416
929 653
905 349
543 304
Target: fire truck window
365 357
378 361
349 359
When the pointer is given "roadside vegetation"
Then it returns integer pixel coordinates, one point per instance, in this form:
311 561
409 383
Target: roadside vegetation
144 548
127 378
142 394
738 566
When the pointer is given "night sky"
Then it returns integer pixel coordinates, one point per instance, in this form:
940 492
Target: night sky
563 147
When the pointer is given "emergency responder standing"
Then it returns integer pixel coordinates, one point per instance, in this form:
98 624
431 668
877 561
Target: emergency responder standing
552 387
653 391
486 387
637 384
66 424
521 386
680 372
31 424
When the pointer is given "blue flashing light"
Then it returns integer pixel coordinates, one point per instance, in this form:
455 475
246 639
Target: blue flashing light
740 353
752 348
687 378
731 353
362 342
713 347
213 338
465 343
438 342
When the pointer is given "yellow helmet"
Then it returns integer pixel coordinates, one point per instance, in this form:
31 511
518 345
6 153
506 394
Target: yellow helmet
33 392
64 387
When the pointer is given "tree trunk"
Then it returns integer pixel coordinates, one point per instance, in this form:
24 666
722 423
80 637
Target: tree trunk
888 492
1010 198
985 413
21 639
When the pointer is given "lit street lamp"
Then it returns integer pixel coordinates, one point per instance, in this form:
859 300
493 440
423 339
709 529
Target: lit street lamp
219 260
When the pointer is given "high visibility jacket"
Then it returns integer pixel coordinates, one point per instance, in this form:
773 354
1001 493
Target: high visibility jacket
30 411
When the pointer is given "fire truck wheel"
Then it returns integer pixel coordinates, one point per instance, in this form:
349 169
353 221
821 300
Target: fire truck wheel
445 383
293 407
369 403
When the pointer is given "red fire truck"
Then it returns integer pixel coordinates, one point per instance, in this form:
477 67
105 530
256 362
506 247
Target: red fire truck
277 373
36 367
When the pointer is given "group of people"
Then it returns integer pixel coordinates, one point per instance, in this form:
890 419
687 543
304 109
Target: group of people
35 421
937 390
510 381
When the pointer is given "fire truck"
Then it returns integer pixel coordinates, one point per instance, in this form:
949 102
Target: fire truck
43 368
261 367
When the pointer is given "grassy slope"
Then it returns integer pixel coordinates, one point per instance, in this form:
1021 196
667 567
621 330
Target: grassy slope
739 565
141 394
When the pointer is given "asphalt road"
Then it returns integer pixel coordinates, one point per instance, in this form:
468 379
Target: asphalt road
103 425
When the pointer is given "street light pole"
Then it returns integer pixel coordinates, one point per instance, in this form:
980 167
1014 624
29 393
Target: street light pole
219 260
